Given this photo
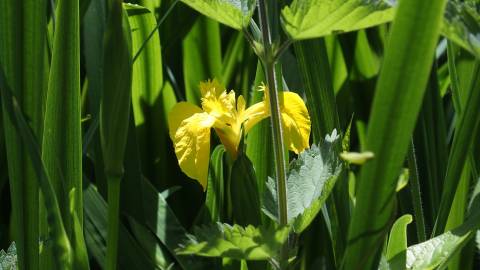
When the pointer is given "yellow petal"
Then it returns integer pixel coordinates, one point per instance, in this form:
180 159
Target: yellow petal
296 121
254 114
178 113
216 100
192 146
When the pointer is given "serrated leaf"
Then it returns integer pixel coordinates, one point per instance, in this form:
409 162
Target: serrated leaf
8 260
234 13
462 25
310 180
437 251
236 242
317 18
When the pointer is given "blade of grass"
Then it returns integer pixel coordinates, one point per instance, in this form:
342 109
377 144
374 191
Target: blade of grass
61 244
397 102
62 141
22 56
466 128
202 58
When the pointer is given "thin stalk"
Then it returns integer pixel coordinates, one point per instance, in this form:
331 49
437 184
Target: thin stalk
269 62
113 221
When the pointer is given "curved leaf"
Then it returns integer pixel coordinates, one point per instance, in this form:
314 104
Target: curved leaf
316 18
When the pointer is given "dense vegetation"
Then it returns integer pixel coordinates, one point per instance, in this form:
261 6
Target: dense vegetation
350 138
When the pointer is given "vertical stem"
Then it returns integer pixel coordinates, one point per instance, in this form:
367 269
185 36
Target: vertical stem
269 61
113 221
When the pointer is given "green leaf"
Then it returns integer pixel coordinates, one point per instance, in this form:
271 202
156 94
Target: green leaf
397 242
62 140
317 80
202 57
96 235
117 80
309 182
236 242
462 25
234 13
244 192
398 98
317 18
60 242
8 260
23 27
214 199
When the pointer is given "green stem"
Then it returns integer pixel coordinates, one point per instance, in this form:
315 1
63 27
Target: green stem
113 221
269 61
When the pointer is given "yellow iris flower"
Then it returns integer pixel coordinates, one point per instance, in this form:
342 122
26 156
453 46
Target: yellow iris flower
190 125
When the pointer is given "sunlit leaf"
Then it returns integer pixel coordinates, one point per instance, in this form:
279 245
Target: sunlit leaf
316 18
241 243
310 181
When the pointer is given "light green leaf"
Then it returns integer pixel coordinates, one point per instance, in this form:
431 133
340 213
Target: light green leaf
310 180
462 25
438 251
234 13
317 18
397 243
236 242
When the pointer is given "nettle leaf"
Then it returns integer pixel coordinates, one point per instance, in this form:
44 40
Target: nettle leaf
234 13
316 18
310 180
236 242
8 260
462 25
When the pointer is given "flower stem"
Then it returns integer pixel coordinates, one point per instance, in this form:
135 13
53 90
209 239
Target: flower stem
269 60
113 221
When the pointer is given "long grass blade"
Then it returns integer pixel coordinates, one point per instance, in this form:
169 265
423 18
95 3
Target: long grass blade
399 92
22 56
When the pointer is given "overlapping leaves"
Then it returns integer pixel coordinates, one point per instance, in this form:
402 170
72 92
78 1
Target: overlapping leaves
462 25
236 242
310 180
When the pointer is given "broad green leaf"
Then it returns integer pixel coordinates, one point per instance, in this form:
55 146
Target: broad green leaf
22 57
462 25
234 13
309 182
8 260
317 18
398 98
236 242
